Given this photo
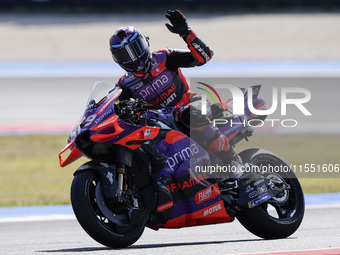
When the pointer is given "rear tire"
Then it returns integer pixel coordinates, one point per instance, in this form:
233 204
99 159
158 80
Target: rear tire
289 205
85 192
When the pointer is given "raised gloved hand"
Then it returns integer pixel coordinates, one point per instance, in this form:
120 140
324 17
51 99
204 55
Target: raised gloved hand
179 24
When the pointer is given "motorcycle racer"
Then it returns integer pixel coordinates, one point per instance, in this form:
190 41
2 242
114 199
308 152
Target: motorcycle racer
157 79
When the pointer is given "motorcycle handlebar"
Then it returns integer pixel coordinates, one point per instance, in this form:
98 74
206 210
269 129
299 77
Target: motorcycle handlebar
140 105
128 110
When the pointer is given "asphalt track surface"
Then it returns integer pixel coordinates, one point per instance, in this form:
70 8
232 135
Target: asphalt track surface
320 230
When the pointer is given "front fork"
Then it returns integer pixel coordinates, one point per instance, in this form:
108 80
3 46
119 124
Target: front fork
120 186
119 163
124 160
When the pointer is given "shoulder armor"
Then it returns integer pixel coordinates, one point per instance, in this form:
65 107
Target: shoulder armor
128 80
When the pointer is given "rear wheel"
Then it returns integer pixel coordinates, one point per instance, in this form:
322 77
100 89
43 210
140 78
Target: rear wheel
282 215
106 221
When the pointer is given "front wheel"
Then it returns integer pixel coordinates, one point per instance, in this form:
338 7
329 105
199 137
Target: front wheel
282 215
106 221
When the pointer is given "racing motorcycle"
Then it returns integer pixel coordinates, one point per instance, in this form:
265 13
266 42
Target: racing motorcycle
122 189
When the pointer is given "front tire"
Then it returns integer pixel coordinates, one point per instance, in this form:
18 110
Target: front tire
288 206
85 192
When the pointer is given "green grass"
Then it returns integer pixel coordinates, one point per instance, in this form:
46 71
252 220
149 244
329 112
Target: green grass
30 172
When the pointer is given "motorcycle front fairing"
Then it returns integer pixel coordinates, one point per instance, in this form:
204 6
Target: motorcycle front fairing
95 113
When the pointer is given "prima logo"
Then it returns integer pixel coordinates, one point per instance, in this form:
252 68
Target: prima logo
155 86
182 155
161 81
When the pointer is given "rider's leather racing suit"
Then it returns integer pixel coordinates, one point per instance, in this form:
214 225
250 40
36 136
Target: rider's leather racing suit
164 84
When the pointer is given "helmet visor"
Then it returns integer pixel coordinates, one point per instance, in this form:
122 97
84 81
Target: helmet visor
130 52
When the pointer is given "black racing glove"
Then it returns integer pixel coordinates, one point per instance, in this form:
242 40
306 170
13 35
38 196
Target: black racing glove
178 22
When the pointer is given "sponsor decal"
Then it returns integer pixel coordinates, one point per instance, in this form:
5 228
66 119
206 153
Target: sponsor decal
137 86
102 116
154 62
182 155
157 85
109 176
169 100
104 123
253 194
187 184
248 181
109 100
258 200
212 210
201 51
146 92
128 77
258 182
166 97
165 206
207 194
160 82
249 188
147 133
262 189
